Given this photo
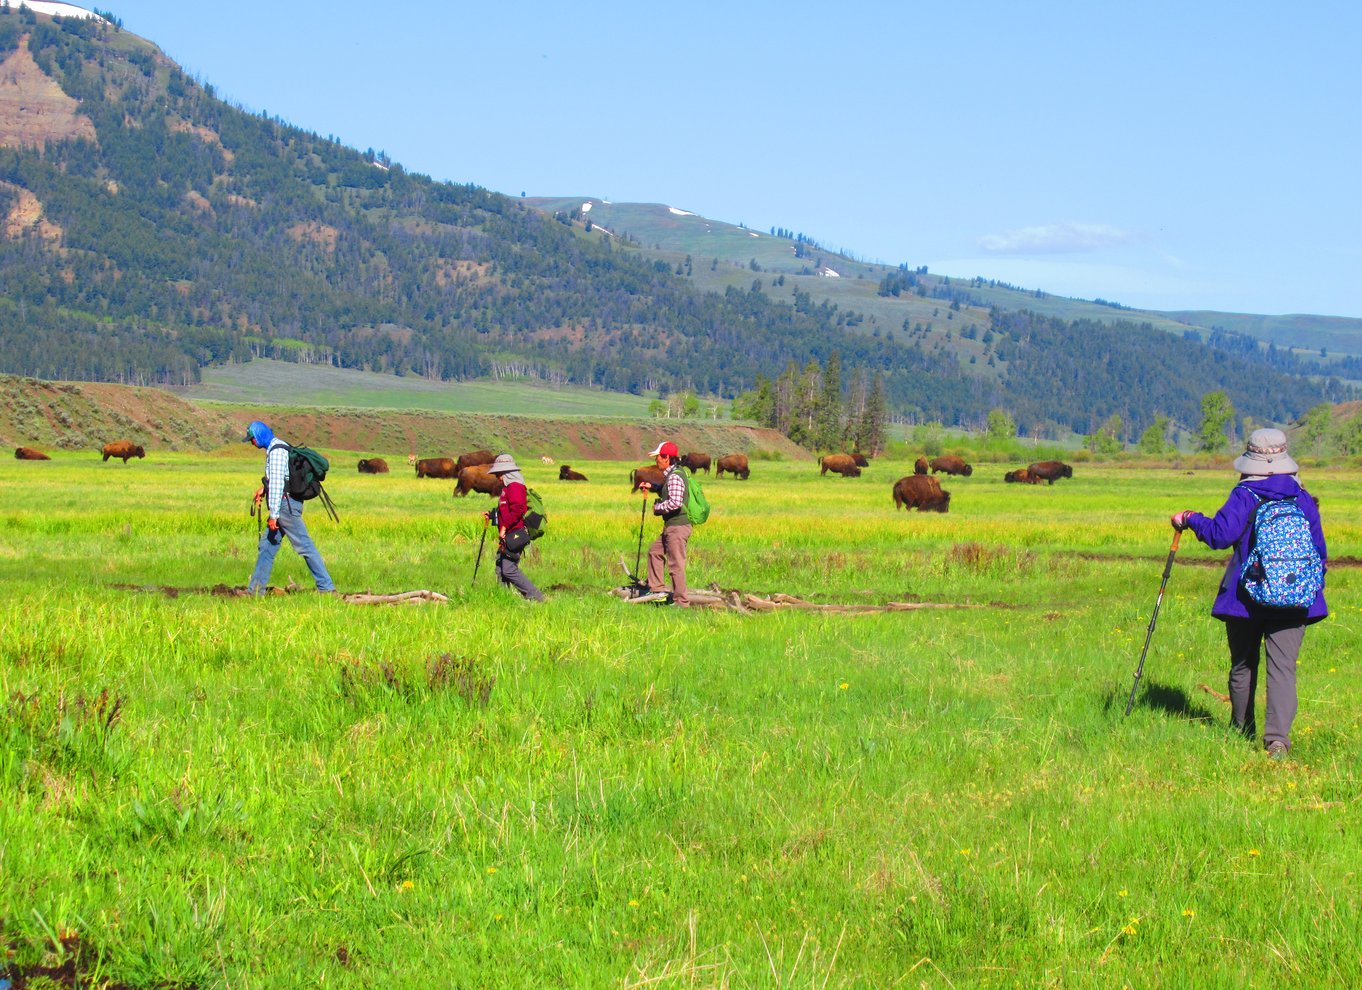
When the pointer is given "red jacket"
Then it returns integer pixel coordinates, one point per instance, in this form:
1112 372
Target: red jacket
511 508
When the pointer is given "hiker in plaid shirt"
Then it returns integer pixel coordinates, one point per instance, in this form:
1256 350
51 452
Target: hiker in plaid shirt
671 545
285 515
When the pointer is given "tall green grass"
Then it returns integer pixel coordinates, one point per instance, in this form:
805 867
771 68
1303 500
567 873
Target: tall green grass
210 791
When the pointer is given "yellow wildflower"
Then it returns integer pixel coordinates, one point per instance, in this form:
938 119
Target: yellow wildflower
1188 913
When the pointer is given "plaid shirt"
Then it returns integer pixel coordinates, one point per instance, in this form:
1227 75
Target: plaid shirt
276 475
676 494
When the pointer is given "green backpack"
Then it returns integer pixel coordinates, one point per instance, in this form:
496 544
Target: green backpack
536 520
695 505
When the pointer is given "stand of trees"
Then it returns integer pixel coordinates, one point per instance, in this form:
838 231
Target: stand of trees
813 409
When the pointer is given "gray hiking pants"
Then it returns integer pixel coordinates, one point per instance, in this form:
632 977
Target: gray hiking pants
509 573
1282 644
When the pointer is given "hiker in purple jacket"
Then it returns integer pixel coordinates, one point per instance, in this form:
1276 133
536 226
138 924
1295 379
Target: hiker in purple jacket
1267 471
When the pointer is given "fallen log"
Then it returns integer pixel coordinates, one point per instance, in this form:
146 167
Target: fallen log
402 598
715 597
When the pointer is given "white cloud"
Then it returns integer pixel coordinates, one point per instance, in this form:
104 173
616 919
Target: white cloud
1055 238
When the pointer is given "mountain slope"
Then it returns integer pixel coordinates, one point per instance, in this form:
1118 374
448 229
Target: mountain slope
186 232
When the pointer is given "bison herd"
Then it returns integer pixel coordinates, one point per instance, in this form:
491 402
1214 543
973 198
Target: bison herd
470 472
920 490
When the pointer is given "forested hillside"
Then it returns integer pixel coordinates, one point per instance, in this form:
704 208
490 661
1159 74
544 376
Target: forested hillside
160 229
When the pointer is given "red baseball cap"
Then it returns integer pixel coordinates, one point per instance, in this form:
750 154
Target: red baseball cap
667 449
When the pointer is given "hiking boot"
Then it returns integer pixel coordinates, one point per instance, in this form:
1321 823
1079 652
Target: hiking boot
653 596
1278 750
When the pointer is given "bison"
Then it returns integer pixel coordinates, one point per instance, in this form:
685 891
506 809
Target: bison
950 464
472 459
478 479
1021 477
124 449
1050 470
843 464
649 473
29 454
436 467
920 466
697 461
565 473
734 464
373 465
921 492
860 459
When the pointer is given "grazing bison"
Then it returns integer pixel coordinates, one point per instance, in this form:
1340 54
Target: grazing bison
373 465
478 479
921 492
472 459
1050 470
950 464
436 467
843 464
860 459
29 454
565 473
920 466
649 473
1021 477
734 464
697 461
124 449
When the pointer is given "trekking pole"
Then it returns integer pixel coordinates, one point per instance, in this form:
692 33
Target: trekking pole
1149 634
642 518
259 523
481 542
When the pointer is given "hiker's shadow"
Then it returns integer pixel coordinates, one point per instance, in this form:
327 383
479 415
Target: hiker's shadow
1162 698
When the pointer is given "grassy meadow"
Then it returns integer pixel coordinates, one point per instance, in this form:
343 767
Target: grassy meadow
206 791
264 381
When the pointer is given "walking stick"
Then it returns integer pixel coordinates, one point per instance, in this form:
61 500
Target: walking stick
1149 634
481 542
642 518
259 522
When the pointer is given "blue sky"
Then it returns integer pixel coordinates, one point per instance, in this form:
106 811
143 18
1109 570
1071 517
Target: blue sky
1173 156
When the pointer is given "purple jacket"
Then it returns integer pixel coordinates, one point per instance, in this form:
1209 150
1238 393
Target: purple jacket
1231 526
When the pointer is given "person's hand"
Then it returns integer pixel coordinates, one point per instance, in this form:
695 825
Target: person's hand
487 516
645 486
259 494
273 524
1179 519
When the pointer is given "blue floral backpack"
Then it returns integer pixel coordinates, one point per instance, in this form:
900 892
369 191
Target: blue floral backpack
1282 568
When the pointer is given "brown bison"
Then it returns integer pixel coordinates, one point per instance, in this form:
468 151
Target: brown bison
697 461
436 467
565 473
734 464
1050 470
843 464
478 479
373 465
920 466
860 459
950 464
921 492
472 459
124 449
1021 477
29 454
650 473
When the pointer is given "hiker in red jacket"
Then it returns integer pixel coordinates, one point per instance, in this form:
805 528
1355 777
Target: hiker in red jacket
512 536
